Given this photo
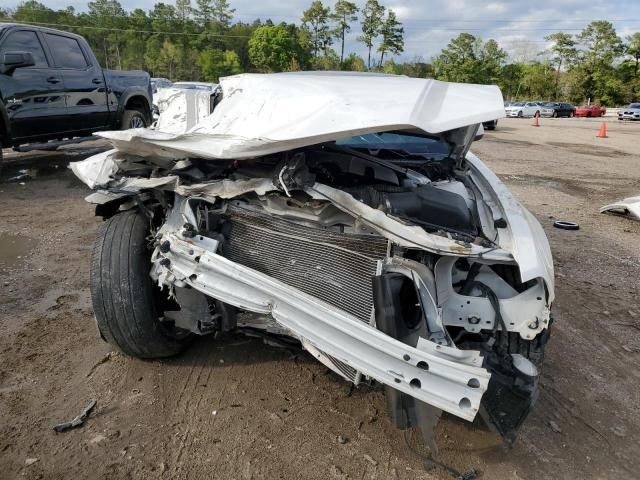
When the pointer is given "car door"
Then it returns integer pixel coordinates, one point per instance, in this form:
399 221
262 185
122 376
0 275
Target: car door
33 96
563 110
85 90
530 109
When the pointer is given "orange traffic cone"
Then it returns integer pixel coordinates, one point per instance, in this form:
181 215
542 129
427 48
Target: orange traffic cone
603 130
536 122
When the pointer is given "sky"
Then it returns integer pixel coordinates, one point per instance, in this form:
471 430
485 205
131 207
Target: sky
518 25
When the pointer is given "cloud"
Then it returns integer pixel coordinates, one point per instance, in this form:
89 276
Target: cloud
429 25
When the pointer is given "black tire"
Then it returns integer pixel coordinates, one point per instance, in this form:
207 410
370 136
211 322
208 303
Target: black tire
0 157
520 115
122 291
555 115
134 119
566 225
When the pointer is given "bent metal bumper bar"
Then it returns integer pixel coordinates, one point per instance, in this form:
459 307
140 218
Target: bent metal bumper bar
441 376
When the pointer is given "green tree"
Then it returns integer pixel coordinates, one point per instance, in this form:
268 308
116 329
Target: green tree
344 13
238 41
164 63
601 46
316 19
272 48
511 80
633 51
354 63
214 18
218 11
215 64
392 36
134 42
184 10
416 67
33 12
371 23
563 52
538 80
328 61
492 59
467 59
110 17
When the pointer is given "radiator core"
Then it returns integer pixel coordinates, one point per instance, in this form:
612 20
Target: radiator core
332 266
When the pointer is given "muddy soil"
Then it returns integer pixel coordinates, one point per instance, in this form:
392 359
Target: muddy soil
234 407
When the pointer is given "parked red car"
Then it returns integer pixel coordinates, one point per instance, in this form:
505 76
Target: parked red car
590 111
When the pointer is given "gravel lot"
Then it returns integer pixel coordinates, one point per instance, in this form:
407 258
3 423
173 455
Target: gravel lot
236 408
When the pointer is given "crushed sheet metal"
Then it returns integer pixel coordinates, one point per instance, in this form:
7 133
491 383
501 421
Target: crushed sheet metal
103 196
97 170
208 191
629 207
263 114
399 233
524 237
444 385
180 110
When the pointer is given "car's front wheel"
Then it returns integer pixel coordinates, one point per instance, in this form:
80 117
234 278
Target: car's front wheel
520 115
126 303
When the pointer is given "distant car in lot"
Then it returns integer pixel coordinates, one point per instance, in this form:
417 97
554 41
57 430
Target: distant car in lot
590 111
557 109
160 82
523 109
196 86
630 112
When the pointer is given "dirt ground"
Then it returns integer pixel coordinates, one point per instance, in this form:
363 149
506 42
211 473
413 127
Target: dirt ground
236 408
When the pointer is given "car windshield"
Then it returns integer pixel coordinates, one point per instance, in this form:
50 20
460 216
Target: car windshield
634 105
518 104
404 144
192 86
551 104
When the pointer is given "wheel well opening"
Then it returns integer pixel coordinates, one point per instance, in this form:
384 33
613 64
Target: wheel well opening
137 103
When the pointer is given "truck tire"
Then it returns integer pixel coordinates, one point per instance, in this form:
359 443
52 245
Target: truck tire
134 119
126 302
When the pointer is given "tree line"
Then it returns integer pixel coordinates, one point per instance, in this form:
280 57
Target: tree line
595 65
200 41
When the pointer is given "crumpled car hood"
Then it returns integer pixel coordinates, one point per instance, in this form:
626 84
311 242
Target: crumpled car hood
262 114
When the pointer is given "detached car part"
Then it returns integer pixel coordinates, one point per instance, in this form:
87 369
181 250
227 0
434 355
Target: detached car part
629 207
363 230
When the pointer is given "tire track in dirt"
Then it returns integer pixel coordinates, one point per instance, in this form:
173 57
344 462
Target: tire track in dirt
184 404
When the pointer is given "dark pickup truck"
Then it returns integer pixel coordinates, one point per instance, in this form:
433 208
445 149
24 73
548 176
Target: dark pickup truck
52 87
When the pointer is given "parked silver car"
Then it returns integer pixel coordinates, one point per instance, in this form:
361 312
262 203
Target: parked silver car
630 112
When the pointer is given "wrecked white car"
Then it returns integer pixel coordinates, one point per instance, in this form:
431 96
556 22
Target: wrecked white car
310 206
